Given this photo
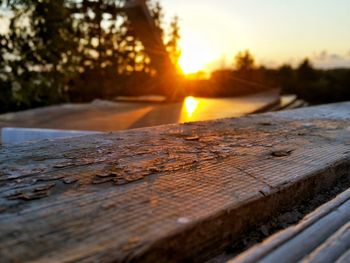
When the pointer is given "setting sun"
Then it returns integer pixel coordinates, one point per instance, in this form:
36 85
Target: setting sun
195 56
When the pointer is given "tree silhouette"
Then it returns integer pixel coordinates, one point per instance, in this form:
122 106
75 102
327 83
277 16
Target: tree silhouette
173 42
61 48
244 61
306 72
39 51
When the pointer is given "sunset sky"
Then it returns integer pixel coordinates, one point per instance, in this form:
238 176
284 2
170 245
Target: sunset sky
275 31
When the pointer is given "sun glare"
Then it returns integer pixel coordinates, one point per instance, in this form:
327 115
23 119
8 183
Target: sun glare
195 56
191 105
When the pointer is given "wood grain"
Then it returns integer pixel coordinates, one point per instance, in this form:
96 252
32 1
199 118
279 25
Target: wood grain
158 194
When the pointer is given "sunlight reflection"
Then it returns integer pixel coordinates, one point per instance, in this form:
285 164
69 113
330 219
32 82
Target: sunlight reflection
191 104
203 109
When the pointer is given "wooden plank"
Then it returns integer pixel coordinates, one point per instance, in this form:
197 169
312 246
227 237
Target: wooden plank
333 248
169 193
311 240
344 258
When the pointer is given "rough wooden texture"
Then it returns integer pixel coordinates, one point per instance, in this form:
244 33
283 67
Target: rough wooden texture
311 240
333 248
170 193
345 258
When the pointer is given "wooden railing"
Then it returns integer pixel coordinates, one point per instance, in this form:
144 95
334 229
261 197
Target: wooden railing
168 193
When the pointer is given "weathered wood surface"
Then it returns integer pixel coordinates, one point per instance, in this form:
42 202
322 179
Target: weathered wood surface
170 193
345 258
333 248
322 236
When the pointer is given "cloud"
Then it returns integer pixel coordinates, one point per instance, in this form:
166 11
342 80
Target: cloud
324 56
324 59
321 56
335 57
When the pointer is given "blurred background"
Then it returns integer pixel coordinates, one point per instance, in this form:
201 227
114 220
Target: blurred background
117 64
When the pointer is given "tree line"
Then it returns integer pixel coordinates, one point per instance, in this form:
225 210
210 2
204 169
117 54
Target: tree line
316 86
75 50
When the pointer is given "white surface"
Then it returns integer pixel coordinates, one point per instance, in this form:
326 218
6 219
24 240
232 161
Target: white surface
18 135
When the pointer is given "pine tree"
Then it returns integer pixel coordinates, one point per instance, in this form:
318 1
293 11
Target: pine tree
40 48
69 47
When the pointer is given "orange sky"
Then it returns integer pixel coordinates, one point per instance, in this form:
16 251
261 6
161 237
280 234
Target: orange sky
275 31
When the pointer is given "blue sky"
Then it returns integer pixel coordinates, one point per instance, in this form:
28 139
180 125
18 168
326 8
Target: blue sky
275 31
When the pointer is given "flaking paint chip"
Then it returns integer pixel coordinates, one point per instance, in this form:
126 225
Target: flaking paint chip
282 153
192 138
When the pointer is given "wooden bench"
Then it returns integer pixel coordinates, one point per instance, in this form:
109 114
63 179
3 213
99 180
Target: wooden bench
168 193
